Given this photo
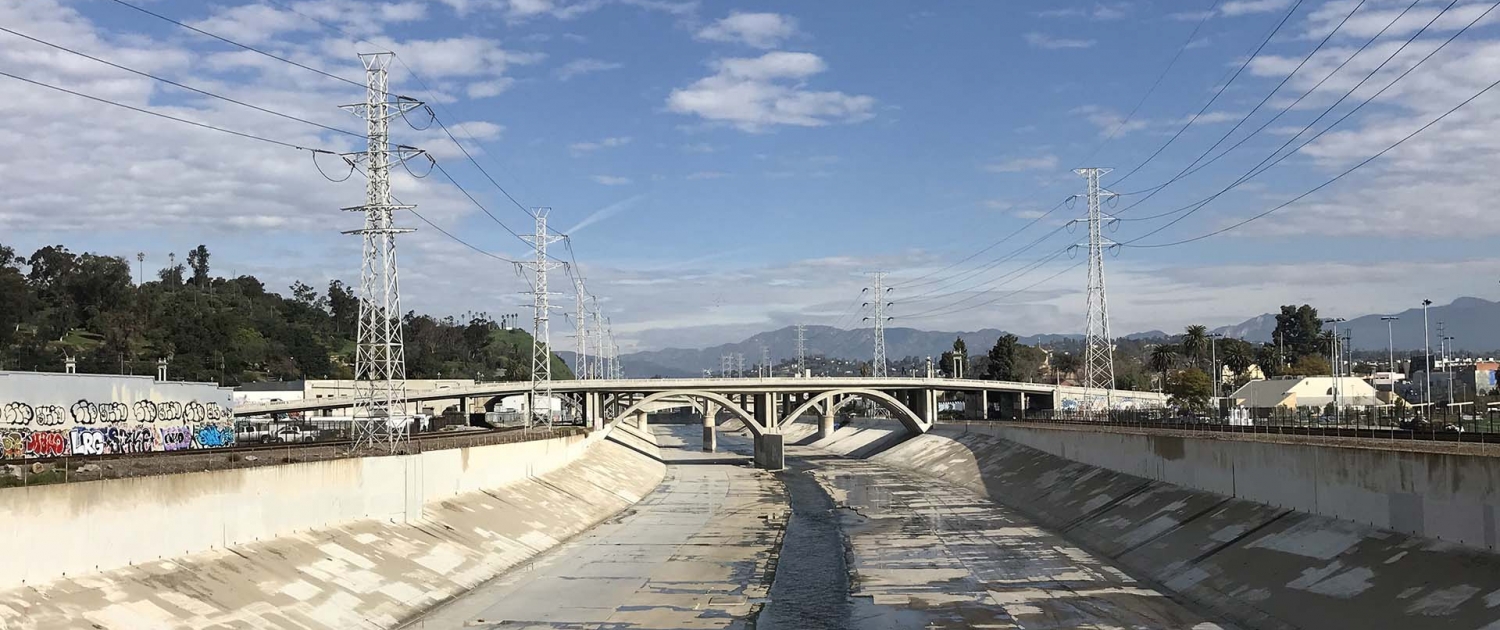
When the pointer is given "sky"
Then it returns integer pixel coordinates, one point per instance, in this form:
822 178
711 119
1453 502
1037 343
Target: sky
726 168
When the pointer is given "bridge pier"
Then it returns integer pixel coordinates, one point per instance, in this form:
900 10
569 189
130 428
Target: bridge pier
769 454
825 422
710 426
984 404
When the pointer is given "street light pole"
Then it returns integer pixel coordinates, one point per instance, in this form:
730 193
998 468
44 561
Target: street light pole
1391 344
1334 354
1426 359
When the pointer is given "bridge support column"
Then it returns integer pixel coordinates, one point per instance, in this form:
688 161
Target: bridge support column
825 423
710 426
642 421
984 404
1021 408
770 453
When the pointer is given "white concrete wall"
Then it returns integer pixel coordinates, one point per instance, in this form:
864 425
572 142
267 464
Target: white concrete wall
1449 497
47 532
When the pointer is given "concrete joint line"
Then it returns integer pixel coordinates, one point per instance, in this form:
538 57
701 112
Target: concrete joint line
1106 507
1195 516
1238 539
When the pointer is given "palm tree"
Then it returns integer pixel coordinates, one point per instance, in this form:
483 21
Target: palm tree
1163 358
1238 357
1195 343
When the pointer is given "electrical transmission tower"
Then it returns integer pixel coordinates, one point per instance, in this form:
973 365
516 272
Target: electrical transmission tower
1099 350
380 419
541 333
801 350
739 365
580 331
765 361
879 291
726 365
598 367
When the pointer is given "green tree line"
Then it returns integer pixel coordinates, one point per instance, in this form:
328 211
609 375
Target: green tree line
56 304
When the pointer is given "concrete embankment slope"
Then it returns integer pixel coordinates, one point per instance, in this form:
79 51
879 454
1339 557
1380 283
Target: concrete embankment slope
1262 565
365 542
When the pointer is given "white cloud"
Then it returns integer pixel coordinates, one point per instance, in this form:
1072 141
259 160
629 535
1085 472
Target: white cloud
1246 7
580 148
699 147
1098 12
758 92
1048 42
758 30
579 67
610 180
1109 121
486 89
1018 165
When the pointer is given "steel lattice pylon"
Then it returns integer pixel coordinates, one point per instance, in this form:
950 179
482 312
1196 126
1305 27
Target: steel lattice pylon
878 370
801 350
581 331
598 367
380 417
541 334
1099 350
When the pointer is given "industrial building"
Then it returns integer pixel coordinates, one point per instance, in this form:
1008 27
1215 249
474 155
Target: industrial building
1262 398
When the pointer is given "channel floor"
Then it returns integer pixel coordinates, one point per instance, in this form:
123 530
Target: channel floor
705 550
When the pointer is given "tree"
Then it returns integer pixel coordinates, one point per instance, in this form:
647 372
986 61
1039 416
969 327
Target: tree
1310 365
1065 363
197 259
1238 355
1299 330
1189 389
1163 359
1002 359
344 306
1195 343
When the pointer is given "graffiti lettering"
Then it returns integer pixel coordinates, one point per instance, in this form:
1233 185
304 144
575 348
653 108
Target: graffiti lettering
129 440
176 438
114 413
213 436
17 414
215 413
46 444
145 411
84 412
13 444
194 413
50 416
84 441
170 411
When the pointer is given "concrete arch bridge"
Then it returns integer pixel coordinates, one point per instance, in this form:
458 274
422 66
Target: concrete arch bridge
765 405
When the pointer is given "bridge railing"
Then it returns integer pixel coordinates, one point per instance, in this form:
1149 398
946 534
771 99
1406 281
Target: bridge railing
1386 423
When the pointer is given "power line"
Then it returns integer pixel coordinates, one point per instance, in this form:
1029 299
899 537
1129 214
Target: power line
916 282
1217 93
235 43
933 294
935 313
180 85
1243 119
481 207
1329 182
1263 166
1016 274
194 123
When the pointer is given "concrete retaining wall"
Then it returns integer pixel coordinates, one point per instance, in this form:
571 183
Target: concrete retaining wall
53 531
1448 497
1260 565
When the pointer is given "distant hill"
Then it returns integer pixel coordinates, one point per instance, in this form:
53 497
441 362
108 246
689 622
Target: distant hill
1474 322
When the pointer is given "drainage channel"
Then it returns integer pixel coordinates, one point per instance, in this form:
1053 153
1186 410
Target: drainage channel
811 587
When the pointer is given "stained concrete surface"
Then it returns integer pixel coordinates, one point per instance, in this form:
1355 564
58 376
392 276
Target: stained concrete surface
1259 565
932 555
698 552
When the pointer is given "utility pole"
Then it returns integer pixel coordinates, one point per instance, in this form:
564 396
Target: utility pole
541 331
1099 350
1213 354
1390 340
801 350
1447 367
380 355
1337 358
879 291
580 331
1426 361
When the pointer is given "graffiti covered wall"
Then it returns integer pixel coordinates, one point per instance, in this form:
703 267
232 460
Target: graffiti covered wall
55 415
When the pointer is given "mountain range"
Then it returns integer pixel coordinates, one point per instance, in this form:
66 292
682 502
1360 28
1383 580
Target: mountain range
1473 322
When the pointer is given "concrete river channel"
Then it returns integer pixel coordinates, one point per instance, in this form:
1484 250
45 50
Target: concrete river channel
829 542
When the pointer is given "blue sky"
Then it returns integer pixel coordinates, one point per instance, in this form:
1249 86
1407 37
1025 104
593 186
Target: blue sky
725 168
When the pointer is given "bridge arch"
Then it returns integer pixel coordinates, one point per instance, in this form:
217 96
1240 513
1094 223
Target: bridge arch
914 423
720 399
